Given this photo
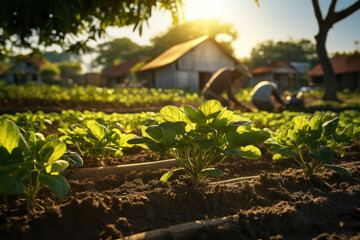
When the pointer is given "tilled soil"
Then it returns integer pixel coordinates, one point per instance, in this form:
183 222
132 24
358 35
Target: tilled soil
284 204
24 104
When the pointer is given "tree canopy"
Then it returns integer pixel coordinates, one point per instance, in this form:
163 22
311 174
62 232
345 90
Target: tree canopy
118 51
270 52
71 24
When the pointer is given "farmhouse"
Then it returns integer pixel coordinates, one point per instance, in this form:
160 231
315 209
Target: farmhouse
286 75
347 71
27 70
188 65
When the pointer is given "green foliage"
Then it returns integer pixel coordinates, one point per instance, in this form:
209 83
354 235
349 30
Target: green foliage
50 73
270 52
29 161
29 121
69 69
118 50
128 97
98 139
60 22
314 138
197 137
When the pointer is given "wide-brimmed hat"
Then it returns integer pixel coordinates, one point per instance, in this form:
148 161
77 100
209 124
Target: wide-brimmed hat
243 69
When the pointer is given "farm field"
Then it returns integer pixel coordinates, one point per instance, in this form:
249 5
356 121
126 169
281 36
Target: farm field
246 196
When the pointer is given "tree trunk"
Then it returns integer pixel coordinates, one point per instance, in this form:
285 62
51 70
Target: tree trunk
330 82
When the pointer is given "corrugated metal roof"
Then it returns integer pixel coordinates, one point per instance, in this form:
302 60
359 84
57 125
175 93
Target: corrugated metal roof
178 51
268 69
341 64
121 69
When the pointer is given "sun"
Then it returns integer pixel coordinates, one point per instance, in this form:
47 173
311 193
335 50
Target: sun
197 9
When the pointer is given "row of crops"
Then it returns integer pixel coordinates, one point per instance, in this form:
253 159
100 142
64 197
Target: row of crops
128 97
195 137
132 122
134 96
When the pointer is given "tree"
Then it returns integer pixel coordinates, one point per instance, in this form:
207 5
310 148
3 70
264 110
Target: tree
325 24
71 24
64 56
69 69
192 29
270 52
50 73
117 51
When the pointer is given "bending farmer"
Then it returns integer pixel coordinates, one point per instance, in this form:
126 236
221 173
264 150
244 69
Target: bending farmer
261 96
221 81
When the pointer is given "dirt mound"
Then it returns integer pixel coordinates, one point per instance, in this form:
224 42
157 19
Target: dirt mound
284 205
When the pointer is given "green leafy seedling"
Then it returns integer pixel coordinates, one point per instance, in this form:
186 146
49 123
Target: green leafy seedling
197 137
316 137
98 139
30 161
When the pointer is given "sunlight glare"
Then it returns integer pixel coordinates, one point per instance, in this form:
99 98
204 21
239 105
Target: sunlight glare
198 9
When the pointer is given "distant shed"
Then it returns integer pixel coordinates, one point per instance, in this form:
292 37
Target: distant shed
346 69
286 75
120 73
188 65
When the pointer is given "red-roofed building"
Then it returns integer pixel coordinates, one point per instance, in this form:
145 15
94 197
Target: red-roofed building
188 65
286 75
346 68
119 74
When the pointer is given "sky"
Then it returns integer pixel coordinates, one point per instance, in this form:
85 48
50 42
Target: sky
276 19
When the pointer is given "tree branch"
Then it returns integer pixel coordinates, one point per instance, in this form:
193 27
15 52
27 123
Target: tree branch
338 16
317 11
331 10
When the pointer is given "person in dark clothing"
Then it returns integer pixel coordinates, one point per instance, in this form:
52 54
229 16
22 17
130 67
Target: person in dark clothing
222 81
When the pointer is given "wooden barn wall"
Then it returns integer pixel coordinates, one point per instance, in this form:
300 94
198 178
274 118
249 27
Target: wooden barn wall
206 57
187 80
165 77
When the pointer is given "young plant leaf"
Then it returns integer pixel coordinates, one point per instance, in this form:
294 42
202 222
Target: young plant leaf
325 154
250 152
177 127
9 135
166 176
240 123
282 153
192 113
247 138
206 143
58 166
169 137
338 169
231 152
53 150
300 122
56 183
11 185
155 132
173 114
210 108
139 140
73 158
213 172
330 126
96 129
